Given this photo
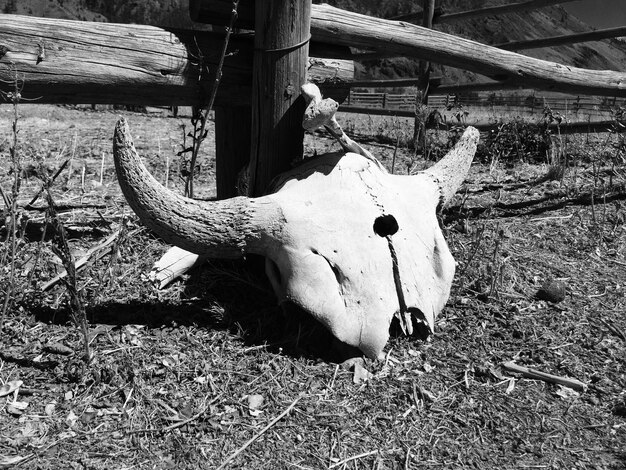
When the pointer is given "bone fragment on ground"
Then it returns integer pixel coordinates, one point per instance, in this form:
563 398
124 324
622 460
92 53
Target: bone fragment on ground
172 265
321 113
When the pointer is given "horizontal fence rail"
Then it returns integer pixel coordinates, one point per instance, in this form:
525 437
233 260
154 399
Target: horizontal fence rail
530 103
486 113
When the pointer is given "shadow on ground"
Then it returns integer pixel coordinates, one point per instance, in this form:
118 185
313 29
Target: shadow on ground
227 296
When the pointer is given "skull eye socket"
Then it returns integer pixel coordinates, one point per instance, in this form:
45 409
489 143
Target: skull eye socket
385 225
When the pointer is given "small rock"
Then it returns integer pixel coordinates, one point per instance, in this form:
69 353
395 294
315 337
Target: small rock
552 291
255 401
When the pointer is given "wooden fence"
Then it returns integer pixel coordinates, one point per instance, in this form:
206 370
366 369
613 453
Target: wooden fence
59 61
577 113
531 103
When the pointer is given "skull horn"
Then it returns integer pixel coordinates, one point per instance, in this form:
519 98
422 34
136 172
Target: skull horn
451 170
219 229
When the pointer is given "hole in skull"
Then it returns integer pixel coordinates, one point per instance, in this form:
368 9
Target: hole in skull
385 225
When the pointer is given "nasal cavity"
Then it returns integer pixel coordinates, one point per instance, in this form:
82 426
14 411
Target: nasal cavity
385 225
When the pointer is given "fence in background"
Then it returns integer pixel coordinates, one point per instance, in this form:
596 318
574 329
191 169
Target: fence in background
533 103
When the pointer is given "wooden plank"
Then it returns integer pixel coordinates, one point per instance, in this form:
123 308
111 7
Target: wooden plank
564 40
281 47
63 61
338 27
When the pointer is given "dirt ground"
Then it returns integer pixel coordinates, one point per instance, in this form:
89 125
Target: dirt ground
210 373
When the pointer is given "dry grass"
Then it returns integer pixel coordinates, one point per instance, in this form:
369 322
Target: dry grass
185 377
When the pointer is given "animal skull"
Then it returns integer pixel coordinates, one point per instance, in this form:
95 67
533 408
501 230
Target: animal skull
343 239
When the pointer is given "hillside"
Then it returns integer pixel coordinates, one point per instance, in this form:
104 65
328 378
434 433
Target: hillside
545 22
173 13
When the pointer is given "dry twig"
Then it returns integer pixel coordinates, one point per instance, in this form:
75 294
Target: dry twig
538 375
259 434
99 250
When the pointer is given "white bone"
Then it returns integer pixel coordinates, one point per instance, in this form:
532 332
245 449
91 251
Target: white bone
172 265
321 112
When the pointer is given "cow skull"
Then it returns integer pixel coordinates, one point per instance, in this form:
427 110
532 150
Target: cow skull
343 239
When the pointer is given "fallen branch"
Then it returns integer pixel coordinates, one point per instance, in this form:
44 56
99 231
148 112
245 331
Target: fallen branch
515 209
65 207
538 375
99 250
26 362
259 434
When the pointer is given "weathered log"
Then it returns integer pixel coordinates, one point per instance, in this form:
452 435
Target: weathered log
335 26
62 61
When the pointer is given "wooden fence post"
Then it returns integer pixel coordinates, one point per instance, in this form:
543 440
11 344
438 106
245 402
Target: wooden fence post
281 43
421 98
232 147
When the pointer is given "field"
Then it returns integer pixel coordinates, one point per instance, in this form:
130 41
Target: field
210 373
